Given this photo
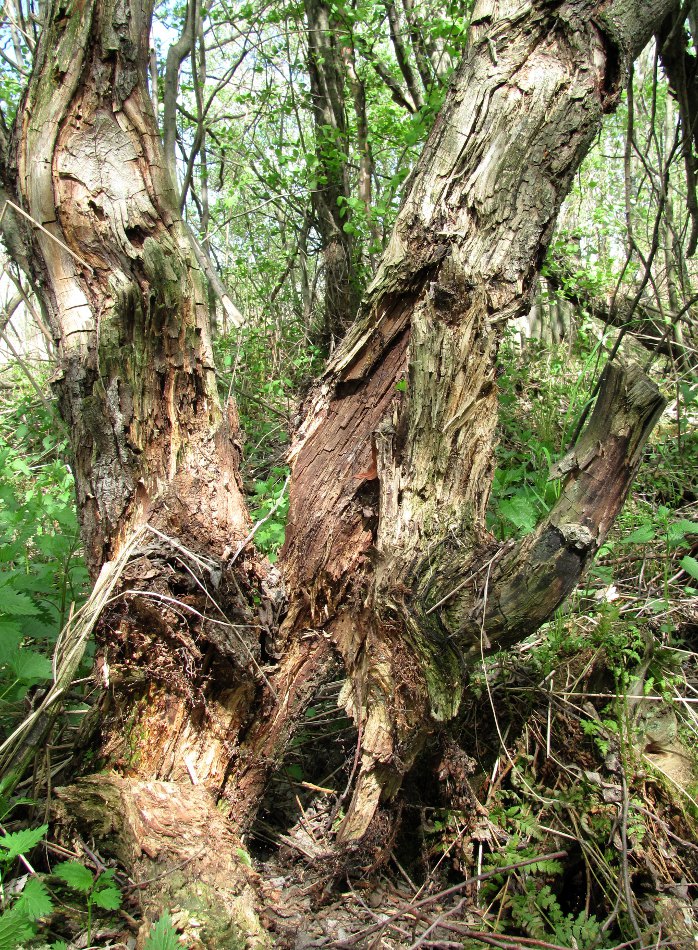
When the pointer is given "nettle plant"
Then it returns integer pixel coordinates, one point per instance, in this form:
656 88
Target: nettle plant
42 573
24 900
96 890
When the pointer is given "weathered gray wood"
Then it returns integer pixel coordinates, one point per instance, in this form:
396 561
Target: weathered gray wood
124 296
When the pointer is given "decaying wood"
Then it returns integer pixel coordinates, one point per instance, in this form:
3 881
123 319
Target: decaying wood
180 645
393 468
395 462
138 387
180 852
522 585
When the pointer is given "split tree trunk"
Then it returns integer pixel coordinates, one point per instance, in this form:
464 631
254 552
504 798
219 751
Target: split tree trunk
388 562
181 662
391 487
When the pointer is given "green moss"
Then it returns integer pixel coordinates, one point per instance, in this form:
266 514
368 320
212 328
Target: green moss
163 277
220 928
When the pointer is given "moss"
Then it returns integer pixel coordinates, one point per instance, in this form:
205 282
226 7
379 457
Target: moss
134 738
218 926
71 24
442 670
158 264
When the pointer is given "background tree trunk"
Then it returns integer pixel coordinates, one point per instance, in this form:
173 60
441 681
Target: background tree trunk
331 192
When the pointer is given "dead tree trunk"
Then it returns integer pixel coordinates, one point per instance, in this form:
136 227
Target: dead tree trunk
152 445
388 563
387 542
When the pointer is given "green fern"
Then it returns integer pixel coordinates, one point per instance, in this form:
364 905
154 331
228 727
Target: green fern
538 914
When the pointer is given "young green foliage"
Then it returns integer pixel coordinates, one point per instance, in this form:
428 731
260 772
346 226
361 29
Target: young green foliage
98 890
162 935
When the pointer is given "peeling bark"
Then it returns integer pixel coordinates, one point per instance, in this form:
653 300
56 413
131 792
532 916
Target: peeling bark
180 646
388 477
163 834
393 469
124 298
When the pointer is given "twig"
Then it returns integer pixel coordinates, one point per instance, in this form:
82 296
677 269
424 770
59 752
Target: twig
624 857
664 825
35 386
471 577
442 895
196 558
20 747
357 755
48 233
501 940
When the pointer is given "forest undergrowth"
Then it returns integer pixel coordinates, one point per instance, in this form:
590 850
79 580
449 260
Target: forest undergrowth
566 810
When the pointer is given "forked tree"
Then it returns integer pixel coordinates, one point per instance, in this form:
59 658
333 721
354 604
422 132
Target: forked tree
209 656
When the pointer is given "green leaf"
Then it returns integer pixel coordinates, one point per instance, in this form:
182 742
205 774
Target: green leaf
677 531
641 535
30 667
244 857
35 900
15 928
162 935
520 512
19 465
10 638
20 842
75 875
689 565
109 898
16 605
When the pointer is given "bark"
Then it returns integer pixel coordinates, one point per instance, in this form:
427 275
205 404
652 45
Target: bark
401 54
399 96
186 45
390 484
366 165
681 70
179 645
124 298
163 834
176 54
420 44
390 487
332 191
